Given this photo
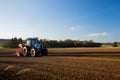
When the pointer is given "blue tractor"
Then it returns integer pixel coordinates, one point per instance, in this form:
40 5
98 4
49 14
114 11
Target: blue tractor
33 48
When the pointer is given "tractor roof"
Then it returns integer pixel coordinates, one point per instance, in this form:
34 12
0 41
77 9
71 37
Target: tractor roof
32 38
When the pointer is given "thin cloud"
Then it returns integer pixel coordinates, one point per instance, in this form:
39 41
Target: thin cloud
72 28
98 34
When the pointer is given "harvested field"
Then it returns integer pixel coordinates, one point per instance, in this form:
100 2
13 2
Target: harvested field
62 64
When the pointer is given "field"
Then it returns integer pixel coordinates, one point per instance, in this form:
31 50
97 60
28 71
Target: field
62 64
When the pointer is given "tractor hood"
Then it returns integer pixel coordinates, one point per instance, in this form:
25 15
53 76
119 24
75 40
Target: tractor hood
38 46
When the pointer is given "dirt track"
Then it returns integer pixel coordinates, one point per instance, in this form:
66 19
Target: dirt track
70 51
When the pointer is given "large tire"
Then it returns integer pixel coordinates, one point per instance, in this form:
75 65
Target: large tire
44 52
33 52
25 51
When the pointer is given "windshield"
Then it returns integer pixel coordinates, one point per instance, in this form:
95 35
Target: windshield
28 42
31 42
34 42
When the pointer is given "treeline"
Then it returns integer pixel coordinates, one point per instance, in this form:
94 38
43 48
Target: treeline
69 43
13 43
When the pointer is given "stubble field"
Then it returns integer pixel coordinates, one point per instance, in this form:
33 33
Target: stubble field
62 64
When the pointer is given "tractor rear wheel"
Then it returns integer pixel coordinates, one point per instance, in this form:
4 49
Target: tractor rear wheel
25 51
33 52
44 52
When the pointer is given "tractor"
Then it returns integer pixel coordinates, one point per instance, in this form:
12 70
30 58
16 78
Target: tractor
32 48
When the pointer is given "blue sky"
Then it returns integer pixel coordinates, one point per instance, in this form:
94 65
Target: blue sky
97 20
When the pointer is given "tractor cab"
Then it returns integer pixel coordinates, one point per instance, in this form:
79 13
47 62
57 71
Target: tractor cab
31 41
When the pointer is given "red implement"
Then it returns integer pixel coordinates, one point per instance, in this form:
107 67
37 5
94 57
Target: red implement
20 51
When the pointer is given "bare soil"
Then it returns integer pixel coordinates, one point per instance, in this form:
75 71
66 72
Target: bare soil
70 51
62 64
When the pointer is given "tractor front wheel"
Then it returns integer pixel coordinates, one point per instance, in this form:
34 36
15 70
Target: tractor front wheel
25 51
33 52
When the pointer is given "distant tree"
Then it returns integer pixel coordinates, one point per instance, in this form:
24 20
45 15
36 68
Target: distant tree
20 40
13 43
115 44
44 42
7 44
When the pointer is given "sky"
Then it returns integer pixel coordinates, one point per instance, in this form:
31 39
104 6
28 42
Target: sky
97 20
